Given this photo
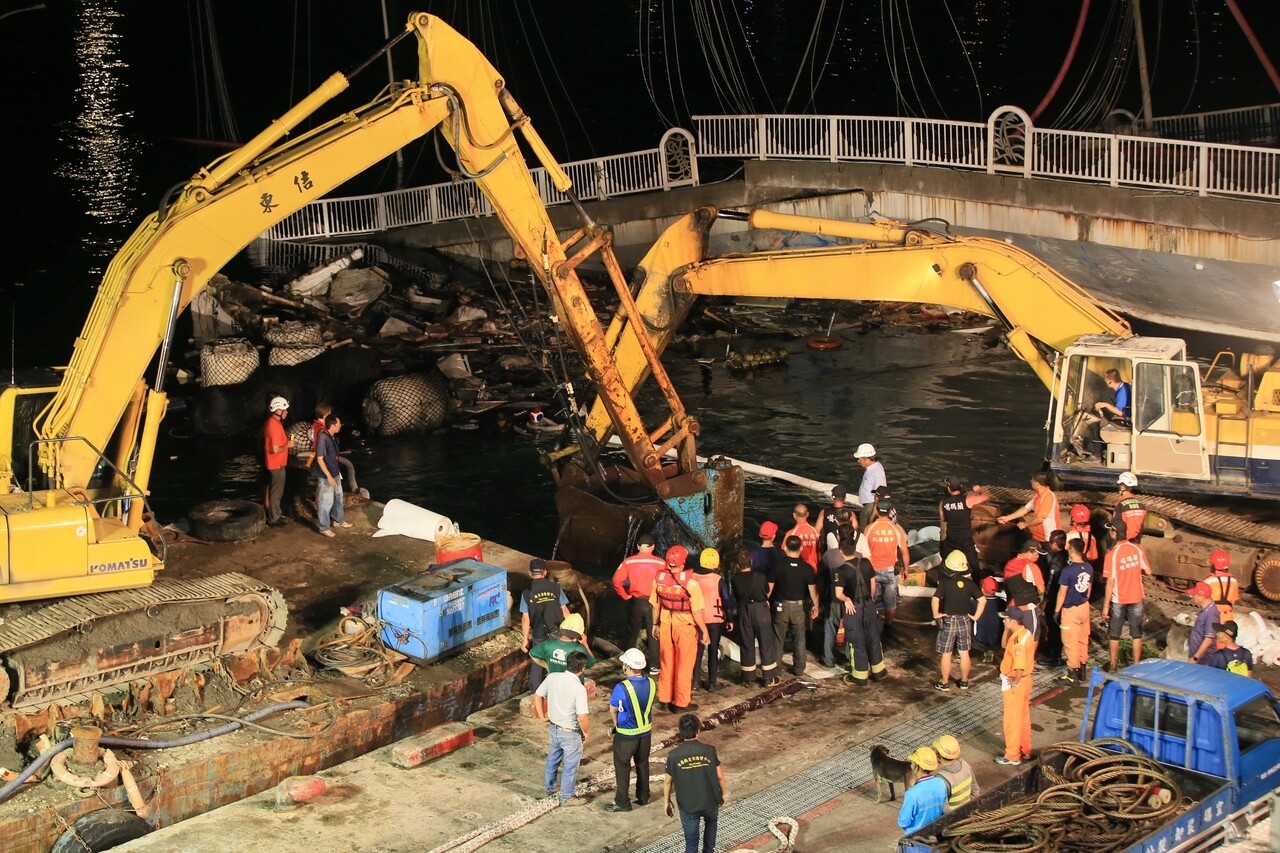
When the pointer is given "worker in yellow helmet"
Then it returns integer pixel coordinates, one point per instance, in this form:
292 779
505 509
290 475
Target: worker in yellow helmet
925 800
955 771
717 612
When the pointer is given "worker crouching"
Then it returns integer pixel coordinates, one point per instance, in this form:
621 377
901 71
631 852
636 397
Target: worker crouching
677 614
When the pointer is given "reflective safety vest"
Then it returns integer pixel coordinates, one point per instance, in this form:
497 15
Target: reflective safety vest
1226 592
959 779
644 716
672 594
712 606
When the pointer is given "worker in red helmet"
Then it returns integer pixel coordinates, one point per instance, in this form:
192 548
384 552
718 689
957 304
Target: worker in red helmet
1082 529
678 608
1223 586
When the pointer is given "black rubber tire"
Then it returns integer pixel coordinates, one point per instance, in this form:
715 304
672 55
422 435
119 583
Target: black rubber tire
227 520
100 830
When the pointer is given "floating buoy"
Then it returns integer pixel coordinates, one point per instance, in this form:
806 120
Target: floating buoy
823 342
756 358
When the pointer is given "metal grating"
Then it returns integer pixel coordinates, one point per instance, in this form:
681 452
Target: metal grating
741 821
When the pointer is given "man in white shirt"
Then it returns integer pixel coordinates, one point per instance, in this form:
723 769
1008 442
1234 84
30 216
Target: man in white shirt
561 700
872 478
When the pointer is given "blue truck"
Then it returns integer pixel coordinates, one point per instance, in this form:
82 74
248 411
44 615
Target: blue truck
1214 734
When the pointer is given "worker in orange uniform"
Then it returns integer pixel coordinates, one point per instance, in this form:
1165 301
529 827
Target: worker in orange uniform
633 582
1039 516
1123 568
1015 687
808 535
677 616
1223 585
717 613
884 545
1082 529
1130 509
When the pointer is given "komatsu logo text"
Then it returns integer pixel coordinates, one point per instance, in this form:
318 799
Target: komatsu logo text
118 566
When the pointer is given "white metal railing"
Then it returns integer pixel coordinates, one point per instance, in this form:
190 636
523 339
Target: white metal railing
1007 143
1245 125
671 164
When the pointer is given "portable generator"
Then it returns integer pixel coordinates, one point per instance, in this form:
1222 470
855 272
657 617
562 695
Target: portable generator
443 608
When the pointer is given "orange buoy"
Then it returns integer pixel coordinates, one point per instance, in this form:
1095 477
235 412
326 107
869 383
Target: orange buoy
823 342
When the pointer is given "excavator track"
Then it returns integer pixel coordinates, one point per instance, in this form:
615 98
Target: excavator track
75 646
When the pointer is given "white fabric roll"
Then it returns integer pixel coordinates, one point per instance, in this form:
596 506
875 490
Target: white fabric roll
401 518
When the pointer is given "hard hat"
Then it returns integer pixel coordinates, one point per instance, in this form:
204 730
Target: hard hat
633 658
278 404
925 758
677 555
709 558
573 622
864 451
1080 514
947 747
957 562
1127 479
1220 560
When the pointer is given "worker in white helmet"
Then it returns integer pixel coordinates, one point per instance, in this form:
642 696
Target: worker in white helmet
276 444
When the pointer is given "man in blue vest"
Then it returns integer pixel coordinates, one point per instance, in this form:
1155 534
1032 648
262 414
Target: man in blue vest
631 706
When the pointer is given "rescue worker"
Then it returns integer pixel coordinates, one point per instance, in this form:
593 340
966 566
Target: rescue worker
1049 648
751 591
633 582
1130 509
552 654
1223 586
794 592
955 520
1123 568
1082 529
882 495
1015 686
925 799
884 544
543 606
806 533
275 447
955 771
631 707
717 613
988 631
872 477
767 553
1072 608
1024 583
1204 635
1038 516
827 522
677 617
856 593
1229 655
953 610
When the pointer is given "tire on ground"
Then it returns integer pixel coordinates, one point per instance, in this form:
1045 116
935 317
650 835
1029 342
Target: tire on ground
100 830
227 520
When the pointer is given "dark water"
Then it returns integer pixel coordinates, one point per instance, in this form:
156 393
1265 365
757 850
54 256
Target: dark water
101 94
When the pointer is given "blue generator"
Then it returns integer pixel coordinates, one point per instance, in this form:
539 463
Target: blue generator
443 608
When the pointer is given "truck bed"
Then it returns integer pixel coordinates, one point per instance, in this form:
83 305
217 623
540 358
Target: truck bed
1210 799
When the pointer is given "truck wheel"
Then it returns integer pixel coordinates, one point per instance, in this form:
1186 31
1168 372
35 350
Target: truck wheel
227 520
100 830
1266 577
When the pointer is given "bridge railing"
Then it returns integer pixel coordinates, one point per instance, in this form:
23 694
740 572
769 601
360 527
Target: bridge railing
1007 143
671 164
1258 125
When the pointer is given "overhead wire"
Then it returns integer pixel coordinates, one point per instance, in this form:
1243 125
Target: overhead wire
815 77
573 105
809 49
964 48
1195 73
924 68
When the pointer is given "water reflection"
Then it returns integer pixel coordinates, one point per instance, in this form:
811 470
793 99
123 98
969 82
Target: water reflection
101 155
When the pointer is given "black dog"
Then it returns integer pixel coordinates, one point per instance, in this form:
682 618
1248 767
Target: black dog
887 769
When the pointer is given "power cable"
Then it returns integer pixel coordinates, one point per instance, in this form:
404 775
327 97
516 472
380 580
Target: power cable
964 48
573 104
1195 74
924 68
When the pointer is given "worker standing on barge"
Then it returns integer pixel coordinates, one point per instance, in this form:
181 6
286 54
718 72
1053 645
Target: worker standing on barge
751 591
1015 687
633 582
677 616
543 606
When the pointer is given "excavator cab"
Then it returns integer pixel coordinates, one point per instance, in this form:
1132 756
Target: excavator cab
1129 404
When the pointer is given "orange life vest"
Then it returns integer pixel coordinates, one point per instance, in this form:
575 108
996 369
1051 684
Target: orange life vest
671 591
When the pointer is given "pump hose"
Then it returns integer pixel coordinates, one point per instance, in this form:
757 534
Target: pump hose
1094 800
142 743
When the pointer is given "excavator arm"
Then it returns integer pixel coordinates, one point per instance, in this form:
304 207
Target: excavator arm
203 224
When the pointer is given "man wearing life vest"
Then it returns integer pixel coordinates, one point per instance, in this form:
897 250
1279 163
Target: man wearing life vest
955 771
677 617
1082 529
1039 516
631 706
1224 589
543 606
808 535
633 582
1130 510
718 604
884 545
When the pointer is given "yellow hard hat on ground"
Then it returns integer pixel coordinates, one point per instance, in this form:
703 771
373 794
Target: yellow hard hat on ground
709 558
947 747
925 758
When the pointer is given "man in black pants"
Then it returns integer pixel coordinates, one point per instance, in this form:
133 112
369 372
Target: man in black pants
696 779
631 706
955 517
751 591
793 590
855 591
543 606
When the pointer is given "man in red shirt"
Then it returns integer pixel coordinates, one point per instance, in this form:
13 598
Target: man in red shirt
1123 568
633 582
808 535
275 446
1130 510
